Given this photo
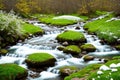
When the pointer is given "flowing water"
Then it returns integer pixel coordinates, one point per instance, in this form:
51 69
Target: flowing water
47 43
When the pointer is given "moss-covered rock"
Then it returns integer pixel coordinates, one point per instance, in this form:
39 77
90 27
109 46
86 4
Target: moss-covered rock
67 70
88 47
117 47
88 58
12 72
60 48
73 49
72 37
3 51
37 60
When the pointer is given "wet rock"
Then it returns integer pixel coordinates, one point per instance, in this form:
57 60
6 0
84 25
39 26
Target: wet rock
84 52
72 49
77 28
88 48
88 58
67 70
102 42
65 43
37 60
60 48
3 51
117 47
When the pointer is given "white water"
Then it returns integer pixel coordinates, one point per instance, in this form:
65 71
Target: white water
47 43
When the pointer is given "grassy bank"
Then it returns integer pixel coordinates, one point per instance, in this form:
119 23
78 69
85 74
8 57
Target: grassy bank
106 29
49 19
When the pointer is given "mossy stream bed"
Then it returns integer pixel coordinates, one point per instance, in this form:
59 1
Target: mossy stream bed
48 44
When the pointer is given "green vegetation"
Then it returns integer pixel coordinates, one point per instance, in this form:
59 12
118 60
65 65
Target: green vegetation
88 47
113 73
12 72
117 47
71 36
106 30
40 59
58 22
73 49
31 29
84 73
14 29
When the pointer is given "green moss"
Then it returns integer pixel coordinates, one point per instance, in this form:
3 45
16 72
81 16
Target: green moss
39 57
88 47
84 72
73 49
71 36
3 51
108 31
117 47
31 29
12 72
37 60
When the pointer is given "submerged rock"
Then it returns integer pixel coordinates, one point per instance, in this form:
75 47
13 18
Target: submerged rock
37 60
12 72
88 48
88 58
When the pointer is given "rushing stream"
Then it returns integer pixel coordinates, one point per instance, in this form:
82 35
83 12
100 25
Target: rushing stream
48 43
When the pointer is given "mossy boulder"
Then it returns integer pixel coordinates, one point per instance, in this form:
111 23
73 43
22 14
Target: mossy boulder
3 51
88 47
60 48
117 47
12 72
37 60
72 37
88 58
73 49
67 70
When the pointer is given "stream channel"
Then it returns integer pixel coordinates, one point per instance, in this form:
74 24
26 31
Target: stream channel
48 43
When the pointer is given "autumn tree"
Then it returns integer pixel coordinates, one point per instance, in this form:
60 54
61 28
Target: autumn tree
23 7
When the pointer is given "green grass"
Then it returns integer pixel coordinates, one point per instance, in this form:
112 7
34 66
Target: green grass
72 49
58 22
108 31
84 73
39 57
31 29
71 36
11 71
107 75
48 19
